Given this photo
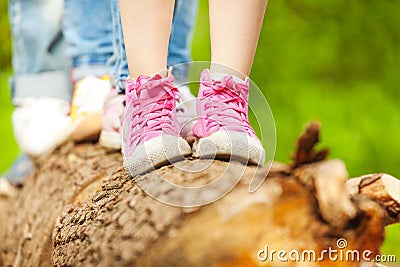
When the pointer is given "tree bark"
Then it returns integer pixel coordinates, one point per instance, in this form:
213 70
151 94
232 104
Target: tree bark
80 208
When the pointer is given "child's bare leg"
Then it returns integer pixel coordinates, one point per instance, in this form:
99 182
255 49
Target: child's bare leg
146 25
235 27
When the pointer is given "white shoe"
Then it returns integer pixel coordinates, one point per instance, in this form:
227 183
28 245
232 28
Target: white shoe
41 124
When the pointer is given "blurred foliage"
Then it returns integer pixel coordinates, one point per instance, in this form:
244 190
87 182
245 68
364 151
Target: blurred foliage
335 61
5 43
8 146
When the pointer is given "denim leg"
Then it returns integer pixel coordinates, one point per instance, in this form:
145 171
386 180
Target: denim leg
38 61
87 27
121 71
179 50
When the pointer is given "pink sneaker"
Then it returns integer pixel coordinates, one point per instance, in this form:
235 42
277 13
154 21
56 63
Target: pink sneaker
151 132
223 129
110 136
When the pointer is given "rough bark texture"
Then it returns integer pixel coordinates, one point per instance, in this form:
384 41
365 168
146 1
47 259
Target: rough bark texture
80 208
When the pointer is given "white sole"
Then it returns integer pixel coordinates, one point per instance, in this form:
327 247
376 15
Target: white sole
155 153
231 146
110 140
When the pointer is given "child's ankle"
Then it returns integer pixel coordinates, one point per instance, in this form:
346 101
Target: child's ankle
217 76
218 71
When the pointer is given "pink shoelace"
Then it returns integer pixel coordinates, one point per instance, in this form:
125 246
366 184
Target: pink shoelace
225 105
152 115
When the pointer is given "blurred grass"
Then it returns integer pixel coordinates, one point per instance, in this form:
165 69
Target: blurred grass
332 61
316 63
8 147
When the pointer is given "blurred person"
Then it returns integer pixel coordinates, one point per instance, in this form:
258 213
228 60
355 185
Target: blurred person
49 39
43 117
42 32
40 86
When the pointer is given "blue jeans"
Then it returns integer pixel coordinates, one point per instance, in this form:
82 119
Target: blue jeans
38 61
88 29
43 30
179 50
179 46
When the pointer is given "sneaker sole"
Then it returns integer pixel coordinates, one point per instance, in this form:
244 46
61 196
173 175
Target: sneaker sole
228 145
155 153
110 140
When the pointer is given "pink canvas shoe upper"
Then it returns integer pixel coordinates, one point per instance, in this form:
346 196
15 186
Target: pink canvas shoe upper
222 105
150 110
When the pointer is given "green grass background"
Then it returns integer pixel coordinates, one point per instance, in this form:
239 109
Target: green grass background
336 61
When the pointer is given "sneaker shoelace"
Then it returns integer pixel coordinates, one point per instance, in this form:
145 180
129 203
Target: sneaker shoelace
226 105
152 114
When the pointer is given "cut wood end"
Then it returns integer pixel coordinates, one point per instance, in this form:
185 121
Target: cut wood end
382 188
392 186
352 186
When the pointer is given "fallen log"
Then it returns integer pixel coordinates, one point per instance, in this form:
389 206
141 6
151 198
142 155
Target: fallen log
80 208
